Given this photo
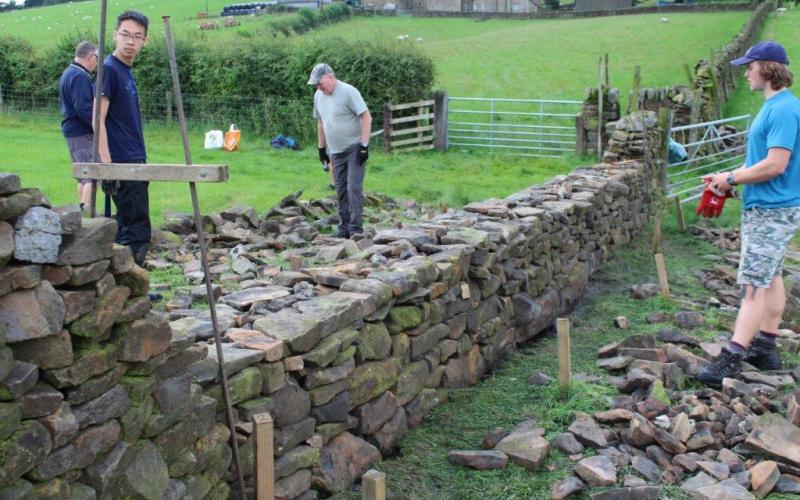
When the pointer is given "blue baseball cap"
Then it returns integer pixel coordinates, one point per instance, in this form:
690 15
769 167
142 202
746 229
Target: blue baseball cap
763 51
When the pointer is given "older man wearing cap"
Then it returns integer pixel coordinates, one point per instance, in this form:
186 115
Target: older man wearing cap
770 217
343 127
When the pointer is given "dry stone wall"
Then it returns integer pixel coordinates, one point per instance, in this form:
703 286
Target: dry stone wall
101 397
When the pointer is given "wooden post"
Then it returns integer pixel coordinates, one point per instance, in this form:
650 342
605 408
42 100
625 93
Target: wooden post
263 468
168 106
655 242
662 275
440 120
564 361
664 124
387 127
373 485
636 92
580 135
605 72
600 99
679 211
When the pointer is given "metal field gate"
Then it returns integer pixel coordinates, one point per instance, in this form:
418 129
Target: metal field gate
711 147
527 127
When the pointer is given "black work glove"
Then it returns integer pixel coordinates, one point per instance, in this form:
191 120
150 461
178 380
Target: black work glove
323 156
363 153
109 187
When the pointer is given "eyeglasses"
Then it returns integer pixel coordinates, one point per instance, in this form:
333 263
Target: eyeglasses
130 37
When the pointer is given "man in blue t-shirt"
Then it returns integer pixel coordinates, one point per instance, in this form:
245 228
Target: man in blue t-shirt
76 95
121 136
771 215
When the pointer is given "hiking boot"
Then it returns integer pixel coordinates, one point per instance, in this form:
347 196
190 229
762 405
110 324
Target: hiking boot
342 234
726 365
140 254
763 355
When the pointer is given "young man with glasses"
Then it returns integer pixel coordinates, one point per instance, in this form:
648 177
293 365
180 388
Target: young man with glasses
343 127
76 96
121 136
771 215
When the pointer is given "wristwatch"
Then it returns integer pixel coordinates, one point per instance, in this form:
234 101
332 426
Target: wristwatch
730 179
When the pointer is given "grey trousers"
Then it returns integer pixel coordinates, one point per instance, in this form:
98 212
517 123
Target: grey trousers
348 177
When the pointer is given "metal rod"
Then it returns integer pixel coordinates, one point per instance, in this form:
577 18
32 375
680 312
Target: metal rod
714 122
101 46
497 99
204 257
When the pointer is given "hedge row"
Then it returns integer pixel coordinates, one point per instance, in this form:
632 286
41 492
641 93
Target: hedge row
269 71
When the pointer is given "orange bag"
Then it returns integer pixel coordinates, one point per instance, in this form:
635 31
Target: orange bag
232 138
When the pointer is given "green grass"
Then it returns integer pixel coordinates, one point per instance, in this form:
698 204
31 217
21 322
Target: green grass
784 30
44 25
260 176
551 58
504 398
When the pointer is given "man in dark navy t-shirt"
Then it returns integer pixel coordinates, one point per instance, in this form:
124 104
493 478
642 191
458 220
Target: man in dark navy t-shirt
76 95
121 136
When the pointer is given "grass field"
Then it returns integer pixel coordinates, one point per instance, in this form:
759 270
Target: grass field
260 176
492 58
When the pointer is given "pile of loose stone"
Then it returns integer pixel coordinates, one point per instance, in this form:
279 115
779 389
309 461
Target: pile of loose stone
740 441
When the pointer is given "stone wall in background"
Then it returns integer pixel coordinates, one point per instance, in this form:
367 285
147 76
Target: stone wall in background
101 397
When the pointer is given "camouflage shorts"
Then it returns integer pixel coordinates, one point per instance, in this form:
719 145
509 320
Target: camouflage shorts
765 234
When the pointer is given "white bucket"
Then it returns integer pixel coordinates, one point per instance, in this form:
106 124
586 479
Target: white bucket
213 139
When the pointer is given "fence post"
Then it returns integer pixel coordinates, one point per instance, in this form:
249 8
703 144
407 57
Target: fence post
664 124
387 127
440 120
580 135
373 484
168 106
564 357
264 468
1 98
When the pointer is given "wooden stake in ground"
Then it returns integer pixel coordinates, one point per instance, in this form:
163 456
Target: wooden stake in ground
679 213
373 485
661 267
264 467
564 359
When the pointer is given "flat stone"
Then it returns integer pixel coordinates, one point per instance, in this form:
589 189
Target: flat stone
788 484
136 279
372 415
253 339
23 450
40 401
640 431
93 242
235 360
44 313
722 491
344 460
62 425
99 321
597 471
630 493
243 299
614 416
54 351
331 348
775 437
144 338
19 381
112 404
647 468
389 436
372 379
478 459
565 488
763 477
37 236
88 273
81 452
614 363
17 276
71 218
147 476
525 447
682 428
588 432
700 439
717 470
645 291
292 435
299 332
417 409
9 183
619 458
567 443
292 404
698 481
669 442
676 336
6 242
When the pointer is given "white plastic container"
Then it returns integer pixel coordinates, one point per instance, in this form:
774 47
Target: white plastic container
213 139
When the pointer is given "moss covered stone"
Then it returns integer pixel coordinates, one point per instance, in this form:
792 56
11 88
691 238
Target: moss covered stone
374 342
371 379
243 386
403 317
329 349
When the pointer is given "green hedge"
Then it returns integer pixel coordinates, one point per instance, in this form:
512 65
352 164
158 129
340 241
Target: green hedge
257 81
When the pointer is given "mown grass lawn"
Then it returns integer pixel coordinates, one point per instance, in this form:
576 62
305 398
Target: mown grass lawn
260 176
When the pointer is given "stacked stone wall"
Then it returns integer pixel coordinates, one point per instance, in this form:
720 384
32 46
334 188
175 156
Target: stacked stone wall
101 397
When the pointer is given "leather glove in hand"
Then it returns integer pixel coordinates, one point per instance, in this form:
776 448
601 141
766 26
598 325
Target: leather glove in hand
363 153
323 156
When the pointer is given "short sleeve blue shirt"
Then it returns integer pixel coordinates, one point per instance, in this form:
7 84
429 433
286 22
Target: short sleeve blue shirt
777 125
123 120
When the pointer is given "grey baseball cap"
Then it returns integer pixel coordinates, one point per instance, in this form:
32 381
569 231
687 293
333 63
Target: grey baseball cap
318 72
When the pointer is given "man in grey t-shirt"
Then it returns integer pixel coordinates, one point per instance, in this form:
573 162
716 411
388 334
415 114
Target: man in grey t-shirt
343 127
